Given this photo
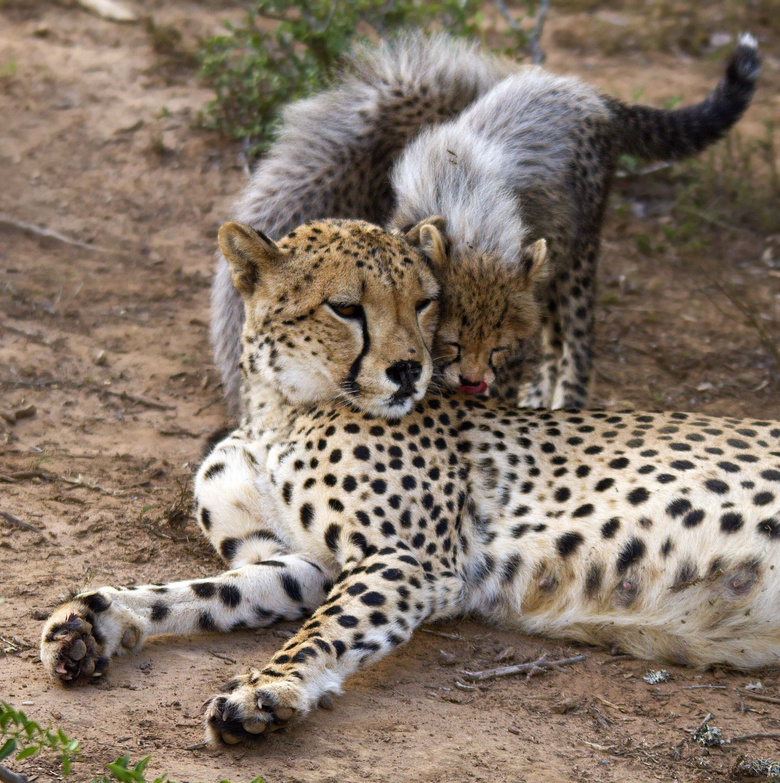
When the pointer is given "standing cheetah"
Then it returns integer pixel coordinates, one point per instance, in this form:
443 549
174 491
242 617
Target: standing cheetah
533 159
657 532
333 153
530 157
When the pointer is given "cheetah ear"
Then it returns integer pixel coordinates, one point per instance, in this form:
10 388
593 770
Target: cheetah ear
533 262
249 254
428 236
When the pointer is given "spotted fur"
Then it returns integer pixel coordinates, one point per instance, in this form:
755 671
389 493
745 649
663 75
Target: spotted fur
655 532
534 158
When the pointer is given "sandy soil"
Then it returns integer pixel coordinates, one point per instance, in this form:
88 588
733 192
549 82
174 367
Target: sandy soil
109 344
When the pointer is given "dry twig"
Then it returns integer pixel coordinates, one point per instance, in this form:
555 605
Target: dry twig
531 668
18 522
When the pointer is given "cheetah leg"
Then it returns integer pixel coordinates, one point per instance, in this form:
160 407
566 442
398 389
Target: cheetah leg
373 608
83 633
539 393
576 295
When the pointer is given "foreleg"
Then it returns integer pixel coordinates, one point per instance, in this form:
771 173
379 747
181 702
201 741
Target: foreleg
83 633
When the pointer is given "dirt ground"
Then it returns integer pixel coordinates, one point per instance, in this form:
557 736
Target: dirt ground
109 345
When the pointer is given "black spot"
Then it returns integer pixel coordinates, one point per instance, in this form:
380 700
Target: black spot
769 528
347 620
771 475
678 507
693 518
562 494
362 452
206 621
509 569
620 462
96 602
332 537
287 493
292 587
229 595
205 518
339 647
335 504
568 543
229 547
682 464
203 589
604 484
379 486
730 522
583 511
633 550
373 599
609 528
159 612
717 486
307 515
593 580
214 470
638 496
763 498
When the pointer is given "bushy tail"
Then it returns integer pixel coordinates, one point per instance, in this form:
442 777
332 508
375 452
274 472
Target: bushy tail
659 134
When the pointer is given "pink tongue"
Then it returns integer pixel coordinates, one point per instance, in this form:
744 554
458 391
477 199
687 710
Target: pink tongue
480 388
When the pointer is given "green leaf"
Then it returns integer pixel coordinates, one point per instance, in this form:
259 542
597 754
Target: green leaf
28 751
8 748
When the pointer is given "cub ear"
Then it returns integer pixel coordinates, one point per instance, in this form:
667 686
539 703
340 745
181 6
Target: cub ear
533 262
428 236
250 254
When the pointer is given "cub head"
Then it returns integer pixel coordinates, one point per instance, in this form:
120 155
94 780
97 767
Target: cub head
337 310
490 304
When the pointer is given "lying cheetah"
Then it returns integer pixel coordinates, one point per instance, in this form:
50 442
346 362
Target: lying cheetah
532 158
657 532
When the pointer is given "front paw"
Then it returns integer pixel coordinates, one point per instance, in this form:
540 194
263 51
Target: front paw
69 650
254 705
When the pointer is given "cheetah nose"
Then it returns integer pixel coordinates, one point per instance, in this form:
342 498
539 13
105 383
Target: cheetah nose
472 385
405 374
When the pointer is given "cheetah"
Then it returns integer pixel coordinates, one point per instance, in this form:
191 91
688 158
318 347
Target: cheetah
525 157
532 160
334 151
655 532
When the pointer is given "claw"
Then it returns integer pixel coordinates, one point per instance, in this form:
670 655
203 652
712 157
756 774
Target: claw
325 702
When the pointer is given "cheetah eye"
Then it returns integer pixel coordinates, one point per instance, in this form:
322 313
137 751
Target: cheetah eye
451 351
350 311
424 305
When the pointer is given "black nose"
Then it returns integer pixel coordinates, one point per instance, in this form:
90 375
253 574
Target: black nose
405 374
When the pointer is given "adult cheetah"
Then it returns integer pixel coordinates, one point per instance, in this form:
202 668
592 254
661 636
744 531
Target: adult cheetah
656 532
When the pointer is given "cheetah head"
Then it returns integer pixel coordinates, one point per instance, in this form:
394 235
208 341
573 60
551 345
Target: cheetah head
489 306
338 309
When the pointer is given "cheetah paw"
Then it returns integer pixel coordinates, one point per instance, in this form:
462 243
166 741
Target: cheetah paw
70 652
254 706
83 634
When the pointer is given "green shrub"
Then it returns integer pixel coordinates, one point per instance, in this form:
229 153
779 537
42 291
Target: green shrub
285 49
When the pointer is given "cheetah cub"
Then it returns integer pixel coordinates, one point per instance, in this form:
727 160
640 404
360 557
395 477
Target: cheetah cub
533 159
656 532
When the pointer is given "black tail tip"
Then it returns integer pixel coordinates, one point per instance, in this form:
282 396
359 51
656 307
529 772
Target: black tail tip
745 63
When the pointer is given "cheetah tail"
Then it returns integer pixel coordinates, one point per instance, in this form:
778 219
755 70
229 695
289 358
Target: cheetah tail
662 134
